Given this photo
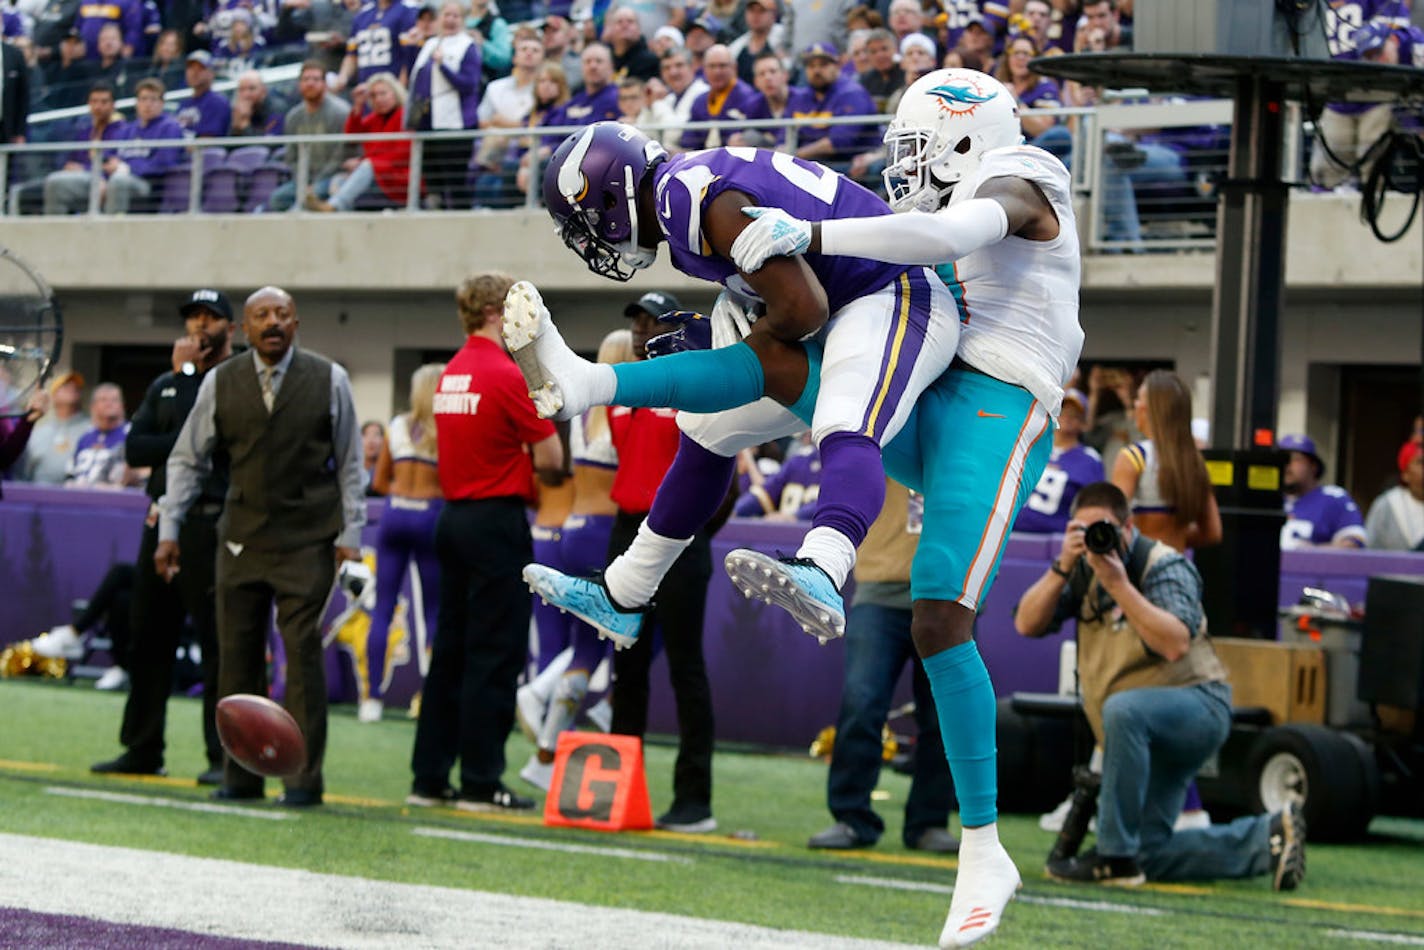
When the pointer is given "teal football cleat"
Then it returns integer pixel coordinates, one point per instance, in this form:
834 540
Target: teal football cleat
587 599
795 584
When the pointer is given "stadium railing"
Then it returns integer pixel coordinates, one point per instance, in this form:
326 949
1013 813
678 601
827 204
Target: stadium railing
1145 174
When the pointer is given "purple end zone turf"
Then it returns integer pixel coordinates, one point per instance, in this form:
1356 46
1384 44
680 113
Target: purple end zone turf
24 928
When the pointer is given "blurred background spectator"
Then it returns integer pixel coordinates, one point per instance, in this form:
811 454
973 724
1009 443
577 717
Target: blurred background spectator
52 441
1070 466
204 113
445 96
319 113
381 177
98 460
681 87
1318 514
1396 518
727 100
66 190
764 32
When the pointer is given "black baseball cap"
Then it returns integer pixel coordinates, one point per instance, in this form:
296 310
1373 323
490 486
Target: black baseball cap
655 302
208 299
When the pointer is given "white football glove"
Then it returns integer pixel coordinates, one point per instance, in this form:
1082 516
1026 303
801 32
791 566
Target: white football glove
772 233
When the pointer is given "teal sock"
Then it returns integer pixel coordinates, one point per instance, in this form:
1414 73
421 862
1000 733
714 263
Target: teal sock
695 381
805 405
964 700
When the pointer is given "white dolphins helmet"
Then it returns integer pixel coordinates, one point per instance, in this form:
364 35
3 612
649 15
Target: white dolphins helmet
946 121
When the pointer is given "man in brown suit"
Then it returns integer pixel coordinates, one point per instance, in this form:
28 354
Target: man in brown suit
294 509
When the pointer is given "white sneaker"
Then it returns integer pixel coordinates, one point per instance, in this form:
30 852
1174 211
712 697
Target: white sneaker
984 885
529 711
1193 820
1053 820
560 381
115 677
536 773
60 643
369 710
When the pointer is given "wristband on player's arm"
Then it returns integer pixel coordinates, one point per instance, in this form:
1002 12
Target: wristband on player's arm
916 237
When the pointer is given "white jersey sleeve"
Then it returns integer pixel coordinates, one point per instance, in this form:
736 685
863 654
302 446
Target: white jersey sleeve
1018 299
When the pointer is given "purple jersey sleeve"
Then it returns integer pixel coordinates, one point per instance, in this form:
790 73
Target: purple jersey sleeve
1046 510
687 184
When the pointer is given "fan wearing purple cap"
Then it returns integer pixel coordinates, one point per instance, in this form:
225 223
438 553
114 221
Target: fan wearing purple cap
1319 515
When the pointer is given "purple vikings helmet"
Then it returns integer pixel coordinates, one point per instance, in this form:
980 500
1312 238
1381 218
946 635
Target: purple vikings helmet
591 189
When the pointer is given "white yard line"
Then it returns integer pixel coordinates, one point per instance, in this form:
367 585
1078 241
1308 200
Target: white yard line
896 884
1407 940
256 902
540 845
182 804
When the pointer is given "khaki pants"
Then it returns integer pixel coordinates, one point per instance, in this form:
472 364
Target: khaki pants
1349 137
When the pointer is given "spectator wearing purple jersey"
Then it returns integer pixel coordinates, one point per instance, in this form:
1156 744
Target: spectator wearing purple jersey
789 494
93 14
99 454
842 147
631 56
205 113
595 102
883 76
764 32
1348 131
1318 515
242 51
445 96
779 100
66 191
376 44
136 168
1070 466
727 100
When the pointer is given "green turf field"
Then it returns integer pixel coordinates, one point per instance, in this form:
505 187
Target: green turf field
1361 895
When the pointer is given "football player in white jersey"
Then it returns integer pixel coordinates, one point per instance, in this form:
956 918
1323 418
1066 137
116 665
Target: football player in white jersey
995 218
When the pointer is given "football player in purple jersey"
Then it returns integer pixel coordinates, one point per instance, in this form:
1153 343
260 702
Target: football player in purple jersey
1318 515
889 331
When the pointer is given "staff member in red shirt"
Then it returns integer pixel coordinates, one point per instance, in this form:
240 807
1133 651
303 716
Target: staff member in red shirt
646 440
490 445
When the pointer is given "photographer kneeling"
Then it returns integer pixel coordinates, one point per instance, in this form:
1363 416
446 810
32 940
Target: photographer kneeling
1158 702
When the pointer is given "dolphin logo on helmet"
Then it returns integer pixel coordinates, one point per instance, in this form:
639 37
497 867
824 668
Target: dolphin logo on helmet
946 121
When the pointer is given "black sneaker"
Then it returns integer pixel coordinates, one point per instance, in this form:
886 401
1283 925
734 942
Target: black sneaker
687 819
500 799
125 765
1093 868
431 798
1287 844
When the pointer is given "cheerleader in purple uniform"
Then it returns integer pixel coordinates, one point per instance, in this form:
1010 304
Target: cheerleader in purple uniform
550 704
406 474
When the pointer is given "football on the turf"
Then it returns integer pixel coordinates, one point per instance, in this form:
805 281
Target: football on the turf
260 735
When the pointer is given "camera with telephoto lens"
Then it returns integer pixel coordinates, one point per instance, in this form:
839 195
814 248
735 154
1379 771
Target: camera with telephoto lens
1086 785
1102 537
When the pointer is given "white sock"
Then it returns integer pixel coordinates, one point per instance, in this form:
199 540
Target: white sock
634 575
832 552
1095 761
985 836
584 384
543 685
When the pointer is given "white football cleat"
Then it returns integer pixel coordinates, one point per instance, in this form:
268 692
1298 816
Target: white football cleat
985 883
557 377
